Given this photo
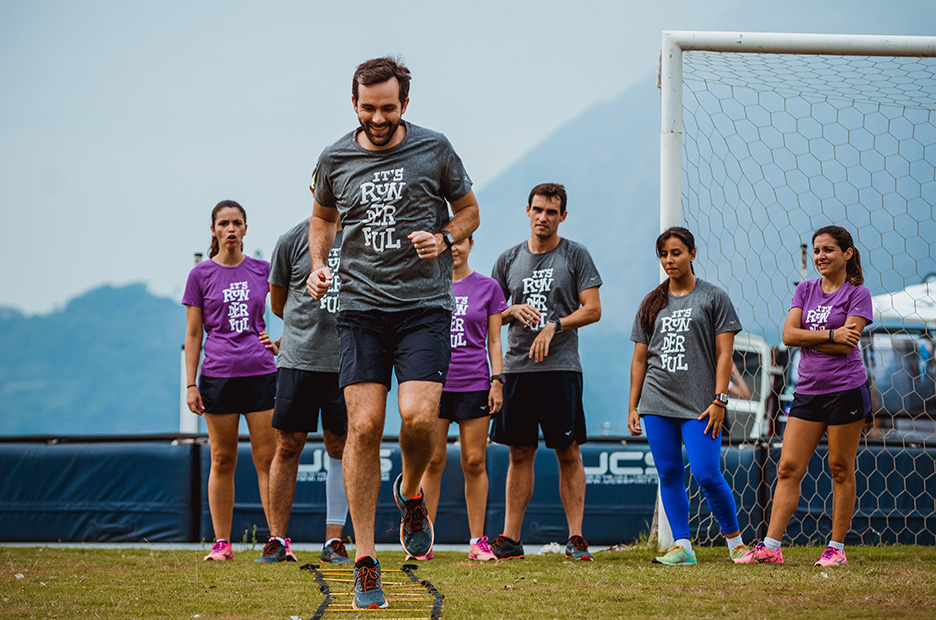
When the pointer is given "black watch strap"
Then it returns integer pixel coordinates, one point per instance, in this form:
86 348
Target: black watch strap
499 377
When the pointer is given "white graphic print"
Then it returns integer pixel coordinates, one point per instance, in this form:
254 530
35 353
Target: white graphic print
378 197
458 323
236 295
330 301
534 290
673 349
817 319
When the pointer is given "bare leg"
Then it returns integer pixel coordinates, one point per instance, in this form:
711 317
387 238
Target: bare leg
419 413
361 462
262 449
799 443
222 437
572 487
843 449
282 483
474 465
519 489
334 446
432 479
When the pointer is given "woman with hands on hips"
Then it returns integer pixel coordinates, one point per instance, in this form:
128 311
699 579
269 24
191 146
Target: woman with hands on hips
225 298
683 342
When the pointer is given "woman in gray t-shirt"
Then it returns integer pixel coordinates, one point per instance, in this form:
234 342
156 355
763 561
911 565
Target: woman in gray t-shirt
683 341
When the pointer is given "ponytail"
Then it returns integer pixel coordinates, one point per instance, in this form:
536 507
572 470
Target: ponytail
650 307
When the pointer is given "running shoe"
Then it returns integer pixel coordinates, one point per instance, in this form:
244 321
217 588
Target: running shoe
760 555
335 553
832 557
506 548
481 550
738 552
676 556
416 534
290 556
273 551
222 550
577 549
421 558
368 588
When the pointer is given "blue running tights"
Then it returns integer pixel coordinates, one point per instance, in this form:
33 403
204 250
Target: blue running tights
666 437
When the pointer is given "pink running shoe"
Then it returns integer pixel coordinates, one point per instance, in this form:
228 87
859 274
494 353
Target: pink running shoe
760 555
290 556
832 557
222 550
421 558
481 550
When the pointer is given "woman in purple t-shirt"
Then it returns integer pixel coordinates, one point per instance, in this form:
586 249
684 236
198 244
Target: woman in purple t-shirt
825 320
470 395
225 297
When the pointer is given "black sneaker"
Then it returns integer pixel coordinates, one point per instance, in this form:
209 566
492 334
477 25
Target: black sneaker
506 548
273 551
416 533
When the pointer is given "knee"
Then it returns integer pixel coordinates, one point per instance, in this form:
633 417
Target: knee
418 426
334 444
473 464
709 480
366 427
223 462
288 448
787 470
522 456
437 462
569 457
842 472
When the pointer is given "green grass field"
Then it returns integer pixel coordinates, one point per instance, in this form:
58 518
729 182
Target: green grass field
879 582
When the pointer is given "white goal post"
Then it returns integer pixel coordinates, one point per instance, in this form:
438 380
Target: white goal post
675 42
764 151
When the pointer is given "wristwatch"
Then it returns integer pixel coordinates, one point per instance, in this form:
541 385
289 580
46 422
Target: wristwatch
500 378
558 324
722 398
448 238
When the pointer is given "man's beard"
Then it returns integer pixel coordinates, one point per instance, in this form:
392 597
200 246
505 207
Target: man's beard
383 140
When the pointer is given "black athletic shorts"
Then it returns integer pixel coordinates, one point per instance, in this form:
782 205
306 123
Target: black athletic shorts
549 400
457 406
832 409
301 394
417 344
237 394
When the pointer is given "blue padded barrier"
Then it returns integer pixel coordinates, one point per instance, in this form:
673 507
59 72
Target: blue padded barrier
94 492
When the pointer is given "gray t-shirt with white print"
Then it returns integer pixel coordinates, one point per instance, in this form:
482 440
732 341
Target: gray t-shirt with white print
680 381
382 197
310 336
551 283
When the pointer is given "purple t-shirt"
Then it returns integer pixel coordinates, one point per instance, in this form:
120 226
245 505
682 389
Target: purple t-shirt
824 373
477 297
232 300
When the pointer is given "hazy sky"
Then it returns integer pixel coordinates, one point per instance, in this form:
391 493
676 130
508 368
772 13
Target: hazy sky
122 123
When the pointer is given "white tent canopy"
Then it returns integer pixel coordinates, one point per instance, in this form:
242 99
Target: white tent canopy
914 305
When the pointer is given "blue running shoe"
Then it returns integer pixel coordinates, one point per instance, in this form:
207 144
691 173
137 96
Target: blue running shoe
273 551
577 549
416 533
335 553
368 588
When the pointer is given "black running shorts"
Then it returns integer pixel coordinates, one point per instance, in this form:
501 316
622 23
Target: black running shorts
237 394
833 409
301 395
551 401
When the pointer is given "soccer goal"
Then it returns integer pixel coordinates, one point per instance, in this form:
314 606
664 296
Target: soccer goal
764 139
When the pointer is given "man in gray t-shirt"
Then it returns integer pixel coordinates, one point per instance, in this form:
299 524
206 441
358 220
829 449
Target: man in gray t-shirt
391 184
306 383
553 285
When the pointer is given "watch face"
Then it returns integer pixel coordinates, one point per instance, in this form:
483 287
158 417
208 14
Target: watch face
722 398
449 239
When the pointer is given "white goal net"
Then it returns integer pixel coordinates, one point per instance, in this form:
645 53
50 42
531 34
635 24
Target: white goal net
770 138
